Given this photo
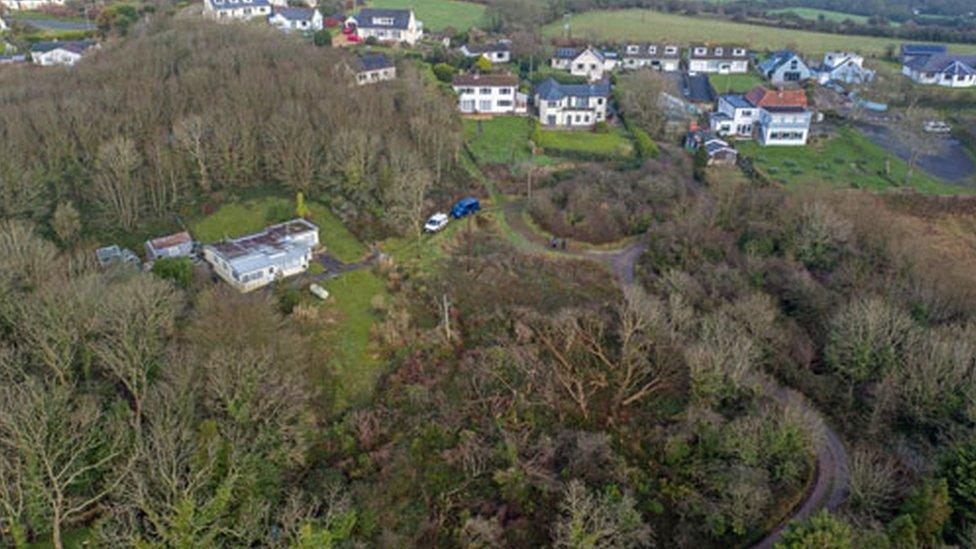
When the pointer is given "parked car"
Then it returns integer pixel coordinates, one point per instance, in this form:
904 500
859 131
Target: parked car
937 126
436 222
465 207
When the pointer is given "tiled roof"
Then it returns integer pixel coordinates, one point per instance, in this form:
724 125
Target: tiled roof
762 97
923 49
948 64
776 60
550 90
694 87
171 240
75 46
364 19
296 14
489 80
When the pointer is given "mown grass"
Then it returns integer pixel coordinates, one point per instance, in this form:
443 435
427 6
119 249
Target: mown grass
613 143
439 14
649 25
501 140
846 160
735 83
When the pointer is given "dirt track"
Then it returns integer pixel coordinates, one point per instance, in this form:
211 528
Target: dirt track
829 487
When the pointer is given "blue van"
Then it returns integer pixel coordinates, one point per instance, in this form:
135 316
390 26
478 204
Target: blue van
465 207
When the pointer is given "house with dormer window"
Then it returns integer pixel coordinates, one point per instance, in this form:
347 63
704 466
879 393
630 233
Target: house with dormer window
724 59
784 66
225 10
589 62
386 25
659 57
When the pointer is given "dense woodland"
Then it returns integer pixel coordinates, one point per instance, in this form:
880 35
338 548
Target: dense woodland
526 400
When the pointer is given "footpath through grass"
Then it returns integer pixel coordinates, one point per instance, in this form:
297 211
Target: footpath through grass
847 160
439 14
654 26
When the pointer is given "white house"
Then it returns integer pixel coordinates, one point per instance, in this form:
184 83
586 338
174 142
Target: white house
175 245
59 53
783 126
499 52
30 4
296 19
372 68
946 70
572 105
236 9
735 116
588 62
256 260
387 25
784 67
489 94
845 67
726 59
661 57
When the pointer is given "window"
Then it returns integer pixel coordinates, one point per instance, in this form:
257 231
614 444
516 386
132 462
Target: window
504 103
580 66
485 91
719 51
701 51
599 100
739 52
484 105
385 21
505 91
746 112
633 49
652 49
578 118
467 105
593 66
671 50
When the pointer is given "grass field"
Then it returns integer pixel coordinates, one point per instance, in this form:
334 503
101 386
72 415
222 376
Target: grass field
501 140
735 83
439 14
614 143
649 25
846 160
814 14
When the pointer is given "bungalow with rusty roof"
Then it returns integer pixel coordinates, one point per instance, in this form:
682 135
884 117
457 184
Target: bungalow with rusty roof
572 105
253 261
722 59
175 245
386 25
290 19
489 94
660 57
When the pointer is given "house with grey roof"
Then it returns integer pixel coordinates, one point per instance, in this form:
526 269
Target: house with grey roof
59 52
734 116
659 57
497 52
372 68
571 105
291 19
946 70
386 25
785 67
907 52
589 62
844 67
256 260
226 10
174 245
721 59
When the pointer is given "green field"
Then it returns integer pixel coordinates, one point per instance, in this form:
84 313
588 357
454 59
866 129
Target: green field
814 14
439 14
847 160
649 25
735 83
614 143
501 140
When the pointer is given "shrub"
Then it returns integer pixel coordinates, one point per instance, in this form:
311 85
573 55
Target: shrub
821 531
179 270
322 38
444 72
643 144
483 64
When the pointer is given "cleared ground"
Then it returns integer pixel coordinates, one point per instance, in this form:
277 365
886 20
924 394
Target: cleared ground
649 25
439 14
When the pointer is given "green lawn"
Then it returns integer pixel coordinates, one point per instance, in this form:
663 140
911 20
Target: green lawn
501 140
649 25
240 218
847 160
735 83
814 14
614 143
439 14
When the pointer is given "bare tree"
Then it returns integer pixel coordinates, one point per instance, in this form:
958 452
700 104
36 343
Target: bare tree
117 190
190 134
588 519
640 93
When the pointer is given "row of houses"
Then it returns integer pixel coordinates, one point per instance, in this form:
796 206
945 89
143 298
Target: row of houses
594 63
932 64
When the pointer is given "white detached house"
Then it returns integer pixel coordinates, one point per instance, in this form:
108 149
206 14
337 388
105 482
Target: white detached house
296 19
236 9
387 25
725 59
65 53
588 62
572 106
489 94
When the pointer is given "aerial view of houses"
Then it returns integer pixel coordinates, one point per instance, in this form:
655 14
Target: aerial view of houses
488 273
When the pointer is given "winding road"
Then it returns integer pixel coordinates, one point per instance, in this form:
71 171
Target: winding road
829 486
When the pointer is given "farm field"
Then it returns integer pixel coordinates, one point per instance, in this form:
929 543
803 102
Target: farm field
649 25
840 161
439 14
814 14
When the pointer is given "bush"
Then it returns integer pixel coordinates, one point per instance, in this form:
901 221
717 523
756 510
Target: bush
179 270
821 531
643 144
444 72
322 38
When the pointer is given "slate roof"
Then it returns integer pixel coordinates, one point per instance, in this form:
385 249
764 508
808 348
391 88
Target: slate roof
777 60
296 14
947 64
364 19
923 49
550 90
503 45
737 101
645 51
75 46
694 87
710 52
567 53
763 97
371 62
488 80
